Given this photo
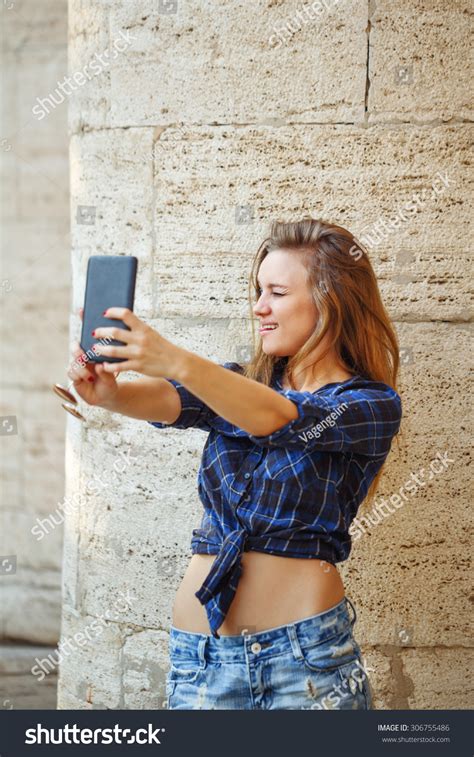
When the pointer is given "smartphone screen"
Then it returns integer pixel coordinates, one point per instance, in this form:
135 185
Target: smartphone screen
110 282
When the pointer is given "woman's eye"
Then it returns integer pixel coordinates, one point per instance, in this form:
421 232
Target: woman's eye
277 294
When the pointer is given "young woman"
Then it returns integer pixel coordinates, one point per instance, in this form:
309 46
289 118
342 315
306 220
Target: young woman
296 441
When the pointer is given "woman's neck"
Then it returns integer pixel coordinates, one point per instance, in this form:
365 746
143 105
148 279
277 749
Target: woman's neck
309 380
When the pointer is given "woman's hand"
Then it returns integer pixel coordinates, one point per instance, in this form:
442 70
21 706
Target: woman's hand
94 385
145 350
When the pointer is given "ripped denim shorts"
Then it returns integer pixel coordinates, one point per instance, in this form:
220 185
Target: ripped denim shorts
311 664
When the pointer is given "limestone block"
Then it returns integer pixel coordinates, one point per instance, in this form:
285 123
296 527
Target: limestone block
29 26
36 352
35 294
42 109
43 188
19 689
413 540
35 41
145 663
435 678
40 247
363 179
216 64
34 456
419 61
88 38
34 152
102 163
421 606
442 678
32 551
67 701
38 141
90 661
434 381
43 462
31 605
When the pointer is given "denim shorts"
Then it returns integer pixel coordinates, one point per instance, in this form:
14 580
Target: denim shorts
310 664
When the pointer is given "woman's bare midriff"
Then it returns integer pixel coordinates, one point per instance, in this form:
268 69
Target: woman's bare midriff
272 591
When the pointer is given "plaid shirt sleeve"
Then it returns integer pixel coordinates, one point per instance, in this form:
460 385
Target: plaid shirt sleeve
362 421
194 412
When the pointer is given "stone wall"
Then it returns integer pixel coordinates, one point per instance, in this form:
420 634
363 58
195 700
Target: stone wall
203 122
34 306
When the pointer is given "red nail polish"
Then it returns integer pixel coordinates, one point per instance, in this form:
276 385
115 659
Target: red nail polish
104 313
90 378
93 332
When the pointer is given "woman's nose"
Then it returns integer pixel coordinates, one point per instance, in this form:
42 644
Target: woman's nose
261 306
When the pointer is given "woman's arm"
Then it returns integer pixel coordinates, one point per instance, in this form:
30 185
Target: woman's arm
241 403
368 415
248 404
148 399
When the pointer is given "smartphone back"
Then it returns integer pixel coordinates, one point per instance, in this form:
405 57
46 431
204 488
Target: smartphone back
110 283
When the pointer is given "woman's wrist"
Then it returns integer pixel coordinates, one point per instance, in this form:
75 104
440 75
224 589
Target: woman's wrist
183 365
112 401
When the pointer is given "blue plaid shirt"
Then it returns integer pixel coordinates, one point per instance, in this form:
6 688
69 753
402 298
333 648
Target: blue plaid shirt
294 492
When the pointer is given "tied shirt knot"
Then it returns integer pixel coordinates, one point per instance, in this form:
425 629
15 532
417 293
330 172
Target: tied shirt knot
223 577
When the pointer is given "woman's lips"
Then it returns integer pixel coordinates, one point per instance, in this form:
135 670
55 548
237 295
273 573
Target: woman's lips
264 330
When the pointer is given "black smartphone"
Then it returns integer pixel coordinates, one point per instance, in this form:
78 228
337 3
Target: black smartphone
110 283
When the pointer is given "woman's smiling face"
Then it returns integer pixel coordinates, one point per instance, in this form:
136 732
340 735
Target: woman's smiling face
285 299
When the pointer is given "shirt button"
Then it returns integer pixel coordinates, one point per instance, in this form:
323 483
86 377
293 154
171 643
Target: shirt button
246 475
256 648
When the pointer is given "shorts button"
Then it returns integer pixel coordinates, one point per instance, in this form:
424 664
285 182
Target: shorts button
255 647
246 475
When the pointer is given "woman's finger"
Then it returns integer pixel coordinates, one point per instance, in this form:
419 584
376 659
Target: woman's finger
78 369
77 350
113 332
101 371
80 360
129 351
126 365
76 373
127 316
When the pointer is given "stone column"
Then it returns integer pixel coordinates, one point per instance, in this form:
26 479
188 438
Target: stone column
34 305
199 124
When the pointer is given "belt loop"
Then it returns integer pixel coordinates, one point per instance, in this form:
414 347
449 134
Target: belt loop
353 610
202 651
294 641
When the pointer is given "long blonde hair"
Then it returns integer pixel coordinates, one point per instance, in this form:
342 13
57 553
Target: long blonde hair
347 297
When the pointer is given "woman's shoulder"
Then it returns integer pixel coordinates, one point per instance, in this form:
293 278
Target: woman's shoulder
359 382
369 392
